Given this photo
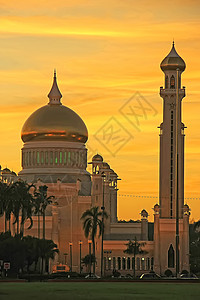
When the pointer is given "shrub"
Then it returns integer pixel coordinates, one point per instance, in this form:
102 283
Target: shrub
168 273
116 273
185 272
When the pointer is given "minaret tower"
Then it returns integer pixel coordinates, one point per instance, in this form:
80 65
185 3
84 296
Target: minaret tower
171 216
172 66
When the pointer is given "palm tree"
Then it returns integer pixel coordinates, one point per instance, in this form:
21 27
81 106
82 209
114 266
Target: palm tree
87 260
22 204
47 250
92 223
6 201
42 201
134 248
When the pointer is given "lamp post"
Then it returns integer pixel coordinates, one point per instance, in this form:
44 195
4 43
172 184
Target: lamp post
70 251
80 245
102 233
90 255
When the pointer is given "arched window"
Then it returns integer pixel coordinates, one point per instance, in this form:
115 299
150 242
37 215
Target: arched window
38 157
104 263
148 263
128 263
51 157
60 157
133 261
26 158
138 263
33 158
152 263
123 263
109 263
72 158
42 157
171 257
69 157
56 157
172 82
143 263
166 82
119 263
65 157
46 157
114 263
29 158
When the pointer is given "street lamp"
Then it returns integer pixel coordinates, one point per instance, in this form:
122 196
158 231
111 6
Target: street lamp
80 245
70 251
90 255
102 233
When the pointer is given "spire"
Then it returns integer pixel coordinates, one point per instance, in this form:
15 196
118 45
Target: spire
54 94
173 52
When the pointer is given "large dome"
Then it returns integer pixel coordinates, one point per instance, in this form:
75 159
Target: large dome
54 122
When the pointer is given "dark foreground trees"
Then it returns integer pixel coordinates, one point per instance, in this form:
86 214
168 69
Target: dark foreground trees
195 247
26 252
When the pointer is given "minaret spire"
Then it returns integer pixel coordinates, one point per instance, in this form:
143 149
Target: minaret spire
54 94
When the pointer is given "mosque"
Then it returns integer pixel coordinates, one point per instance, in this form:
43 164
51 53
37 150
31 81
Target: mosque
55 154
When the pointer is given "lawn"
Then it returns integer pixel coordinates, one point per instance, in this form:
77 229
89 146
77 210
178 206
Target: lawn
99 290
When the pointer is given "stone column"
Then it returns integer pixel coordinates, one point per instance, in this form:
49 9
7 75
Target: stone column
157 239
144 225
185 240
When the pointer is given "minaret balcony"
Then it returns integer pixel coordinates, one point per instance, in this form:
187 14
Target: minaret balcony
164 92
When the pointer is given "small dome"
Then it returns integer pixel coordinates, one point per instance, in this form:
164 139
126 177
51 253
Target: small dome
157 208
106 165
54 122
97 157
6 171
173 61
144 213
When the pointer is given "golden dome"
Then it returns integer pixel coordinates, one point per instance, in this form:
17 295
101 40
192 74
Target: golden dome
54 122
173 61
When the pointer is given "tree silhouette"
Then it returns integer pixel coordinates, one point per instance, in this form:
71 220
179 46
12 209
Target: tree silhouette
134 247
92 223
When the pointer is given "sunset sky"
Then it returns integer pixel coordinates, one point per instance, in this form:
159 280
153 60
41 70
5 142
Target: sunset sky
107 54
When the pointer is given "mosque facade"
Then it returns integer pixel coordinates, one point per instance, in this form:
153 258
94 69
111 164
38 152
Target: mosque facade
55 154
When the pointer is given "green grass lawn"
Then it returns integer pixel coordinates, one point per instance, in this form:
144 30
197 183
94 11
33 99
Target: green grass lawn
99 290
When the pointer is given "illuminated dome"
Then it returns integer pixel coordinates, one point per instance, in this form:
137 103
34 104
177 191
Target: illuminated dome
173 61
54 122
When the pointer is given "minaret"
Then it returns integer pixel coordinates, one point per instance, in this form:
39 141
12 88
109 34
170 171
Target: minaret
172 66
171 216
